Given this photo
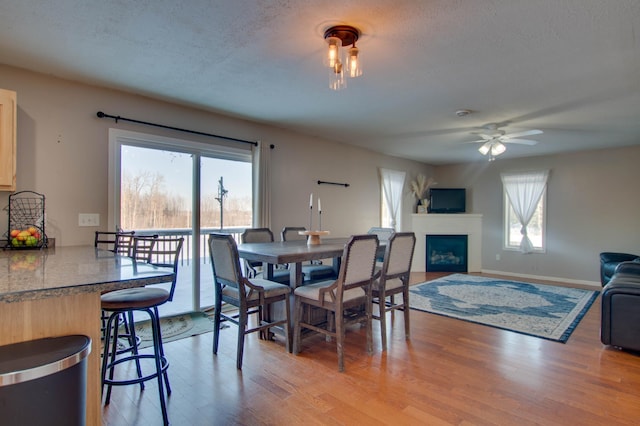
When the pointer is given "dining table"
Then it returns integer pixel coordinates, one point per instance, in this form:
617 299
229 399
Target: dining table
294 254
53 292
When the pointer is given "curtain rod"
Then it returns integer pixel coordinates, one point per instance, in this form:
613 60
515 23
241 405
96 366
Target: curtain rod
322 182
101 114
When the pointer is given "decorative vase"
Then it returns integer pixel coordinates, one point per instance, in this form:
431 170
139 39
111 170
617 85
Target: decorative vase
422 206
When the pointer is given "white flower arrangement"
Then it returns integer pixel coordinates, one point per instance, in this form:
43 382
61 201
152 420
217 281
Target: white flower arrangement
420 187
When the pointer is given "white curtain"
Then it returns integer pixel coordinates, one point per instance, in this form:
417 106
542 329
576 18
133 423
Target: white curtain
392 185
524 191
262 185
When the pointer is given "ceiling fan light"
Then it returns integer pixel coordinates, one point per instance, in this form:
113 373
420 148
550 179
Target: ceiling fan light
498 148
484 149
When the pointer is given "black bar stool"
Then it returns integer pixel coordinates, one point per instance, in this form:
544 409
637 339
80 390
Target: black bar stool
157 251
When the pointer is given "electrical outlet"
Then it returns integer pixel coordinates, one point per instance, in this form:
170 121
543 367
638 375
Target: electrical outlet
89 219
497 256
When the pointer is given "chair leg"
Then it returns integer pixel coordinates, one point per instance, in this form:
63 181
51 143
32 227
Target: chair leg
216 322
330 324
287 325
382 307
114 348
161 347
106 353
405 308
340 340
297 316
369 325
242 327
157 348
131 332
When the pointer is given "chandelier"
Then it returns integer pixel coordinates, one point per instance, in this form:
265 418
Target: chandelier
341 60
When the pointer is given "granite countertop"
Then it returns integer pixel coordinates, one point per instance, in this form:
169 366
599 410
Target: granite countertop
37 274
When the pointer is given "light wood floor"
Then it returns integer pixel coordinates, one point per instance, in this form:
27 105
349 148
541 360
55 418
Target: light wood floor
451 372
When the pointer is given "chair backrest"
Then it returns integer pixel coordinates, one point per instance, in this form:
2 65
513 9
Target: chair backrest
109 240
292 233
383 234
124 243
358 263
257 235
398 256
105 240
159 251
225 261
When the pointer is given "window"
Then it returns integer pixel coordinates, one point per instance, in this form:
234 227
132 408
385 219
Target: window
392 183
178 187
525 211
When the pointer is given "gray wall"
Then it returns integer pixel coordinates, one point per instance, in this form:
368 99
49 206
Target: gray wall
592 206
63 153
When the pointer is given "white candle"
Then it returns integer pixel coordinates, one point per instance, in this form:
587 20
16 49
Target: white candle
319 205
311 201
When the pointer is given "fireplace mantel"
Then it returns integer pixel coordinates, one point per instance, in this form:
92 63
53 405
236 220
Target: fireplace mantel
454 224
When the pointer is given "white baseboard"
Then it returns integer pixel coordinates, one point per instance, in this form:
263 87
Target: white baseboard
540 277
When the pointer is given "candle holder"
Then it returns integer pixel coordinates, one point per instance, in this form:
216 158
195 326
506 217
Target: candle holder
313 237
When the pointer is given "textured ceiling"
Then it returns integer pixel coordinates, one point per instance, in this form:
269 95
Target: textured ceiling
570 68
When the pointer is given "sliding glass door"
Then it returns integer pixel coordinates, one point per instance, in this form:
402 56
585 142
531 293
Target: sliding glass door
174 187
225 206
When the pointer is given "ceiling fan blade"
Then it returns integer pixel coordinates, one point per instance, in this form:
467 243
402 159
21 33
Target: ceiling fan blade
521 141
478 141
485 136
524 133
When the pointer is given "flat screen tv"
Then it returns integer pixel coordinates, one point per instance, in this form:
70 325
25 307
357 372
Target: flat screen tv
447 200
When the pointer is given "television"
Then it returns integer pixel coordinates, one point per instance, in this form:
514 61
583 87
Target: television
447 200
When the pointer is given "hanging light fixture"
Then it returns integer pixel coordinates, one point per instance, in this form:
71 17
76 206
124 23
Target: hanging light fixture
338 62
493 146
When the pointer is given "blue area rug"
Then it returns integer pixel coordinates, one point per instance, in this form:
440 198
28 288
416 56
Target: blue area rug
539 310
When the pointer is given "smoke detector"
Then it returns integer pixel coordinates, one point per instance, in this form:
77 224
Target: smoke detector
463 112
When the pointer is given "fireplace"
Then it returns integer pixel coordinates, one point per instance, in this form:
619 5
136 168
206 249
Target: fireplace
446 253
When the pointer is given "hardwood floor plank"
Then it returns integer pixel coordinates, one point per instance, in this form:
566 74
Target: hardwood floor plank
450 372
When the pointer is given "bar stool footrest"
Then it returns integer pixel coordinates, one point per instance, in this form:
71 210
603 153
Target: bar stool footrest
163 362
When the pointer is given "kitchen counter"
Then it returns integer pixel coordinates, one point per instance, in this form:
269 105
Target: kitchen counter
38 274
56 292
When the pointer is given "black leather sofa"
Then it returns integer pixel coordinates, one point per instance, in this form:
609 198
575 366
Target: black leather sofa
609 261
620 322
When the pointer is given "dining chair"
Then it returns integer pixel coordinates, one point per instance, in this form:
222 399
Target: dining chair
159 251
315 270
250 296
113 241
253 269
351 291
393 279
383 235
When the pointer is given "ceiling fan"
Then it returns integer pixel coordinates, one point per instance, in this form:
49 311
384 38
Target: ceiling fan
494 139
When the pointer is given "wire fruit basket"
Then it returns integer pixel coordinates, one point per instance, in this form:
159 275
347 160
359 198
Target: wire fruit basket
26 221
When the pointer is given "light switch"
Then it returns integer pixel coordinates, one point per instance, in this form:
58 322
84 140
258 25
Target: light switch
89 219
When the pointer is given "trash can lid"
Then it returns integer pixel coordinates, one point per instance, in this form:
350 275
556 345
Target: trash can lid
24 361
